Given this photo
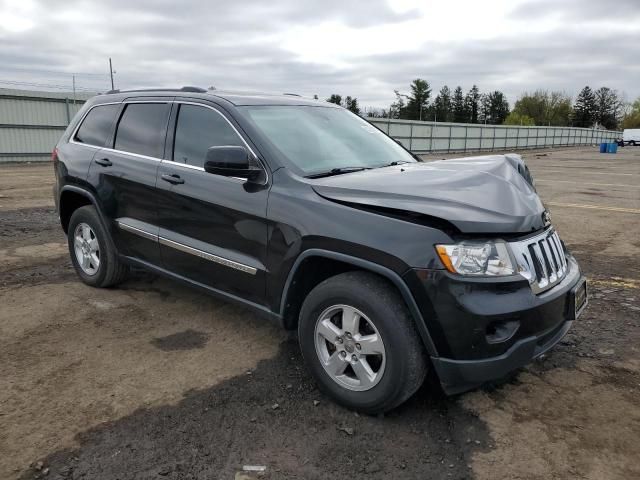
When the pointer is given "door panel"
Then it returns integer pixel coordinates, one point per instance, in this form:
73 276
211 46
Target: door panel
127 191
91 134
213 230
125 175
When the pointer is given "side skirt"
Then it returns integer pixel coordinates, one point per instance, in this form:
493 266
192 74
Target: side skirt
261 310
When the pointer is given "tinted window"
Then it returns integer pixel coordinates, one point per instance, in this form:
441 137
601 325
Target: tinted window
142 128
96 127
197 129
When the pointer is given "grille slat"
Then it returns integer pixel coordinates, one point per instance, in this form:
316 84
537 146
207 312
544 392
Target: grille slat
554 260
546 253
558 245
557 254
561 248
541 260
536 264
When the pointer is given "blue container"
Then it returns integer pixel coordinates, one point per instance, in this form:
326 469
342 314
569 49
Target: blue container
603 148
612 148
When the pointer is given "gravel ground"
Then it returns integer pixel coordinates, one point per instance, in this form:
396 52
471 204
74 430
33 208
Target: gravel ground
153 380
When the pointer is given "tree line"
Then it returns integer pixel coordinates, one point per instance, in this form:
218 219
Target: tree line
601 108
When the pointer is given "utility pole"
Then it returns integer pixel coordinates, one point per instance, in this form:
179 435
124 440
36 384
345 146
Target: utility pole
74 90
111 73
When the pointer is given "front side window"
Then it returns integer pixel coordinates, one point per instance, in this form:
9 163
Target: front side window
197 129
320 139
142 129
96 127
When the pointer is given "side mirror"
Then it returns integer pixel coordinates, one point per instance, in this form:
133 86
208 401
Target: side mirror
231 161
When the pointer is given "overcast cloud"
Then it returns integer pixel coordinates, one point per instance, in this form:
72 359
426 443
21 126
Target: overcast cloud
363 48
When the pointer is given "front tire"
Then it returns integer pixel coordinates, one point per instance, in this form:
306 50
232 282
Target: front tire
92 252
360 343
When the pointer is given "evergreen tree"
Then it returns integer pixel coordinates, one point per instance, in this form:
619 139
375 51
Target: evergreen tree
472 103
494 108
335 98
418 100
584 110
608 108
442 108
351 104
459 107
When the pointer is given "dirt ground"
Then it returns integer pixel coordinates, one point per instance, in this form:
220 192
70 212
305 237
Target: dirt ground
153 380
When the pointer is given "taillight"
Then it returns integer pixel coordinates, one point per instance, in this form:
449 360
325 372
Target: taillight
54 155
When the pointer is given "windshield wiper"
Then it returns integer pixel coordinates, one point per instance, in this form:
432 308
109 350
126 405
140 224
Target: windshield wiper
394 163
337 171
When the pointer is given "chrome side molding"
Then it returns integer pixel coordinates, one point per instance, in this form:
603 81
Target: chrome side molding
187 249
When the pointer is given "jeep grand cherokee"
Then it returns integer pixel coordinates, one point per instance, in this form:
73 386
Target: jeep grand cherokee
305 213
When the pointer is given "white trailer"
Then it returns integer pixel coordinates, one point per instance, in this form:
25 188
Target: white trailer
631 136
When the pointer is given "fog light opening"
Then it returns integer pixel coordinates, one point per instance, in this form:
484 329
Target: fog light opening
501 331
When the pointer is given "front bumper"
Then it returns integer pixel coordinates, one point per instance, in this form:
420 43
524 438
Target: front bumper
463 316
458 376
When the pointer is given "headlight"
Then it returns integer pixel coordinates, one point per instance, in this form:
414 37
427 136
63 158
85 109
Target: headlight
476 258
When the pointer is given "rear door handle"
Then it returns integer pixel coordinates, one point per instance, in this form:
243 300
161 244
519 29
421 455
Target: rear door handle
105 162
173 179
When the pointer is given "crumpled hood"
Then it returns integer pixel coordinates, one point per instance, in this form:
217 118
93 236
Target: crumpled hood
483 194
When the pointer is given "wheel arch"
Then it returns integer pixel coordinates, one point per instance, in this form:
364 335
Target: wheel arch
334 263
72 198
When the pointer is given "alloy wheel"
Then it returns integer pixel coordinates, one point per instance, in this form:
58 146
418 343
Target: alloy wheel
350 347
87 249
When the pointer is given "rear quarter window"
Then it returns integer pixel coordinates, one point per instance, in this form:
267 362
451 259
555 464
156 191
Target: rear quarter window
96 126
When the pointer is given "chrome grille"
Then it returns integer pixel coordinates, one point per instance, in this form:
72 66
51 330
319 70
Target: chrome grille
541 260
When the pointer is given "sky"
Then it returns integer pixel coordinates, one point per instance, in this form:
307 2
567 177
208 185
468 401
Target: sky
366 48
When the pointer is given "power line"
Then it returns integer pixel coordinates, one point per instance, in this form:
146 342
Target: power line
56 72
46 85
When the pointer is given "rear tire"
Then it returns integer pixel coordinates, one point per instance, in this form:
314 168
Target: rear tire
92 252
371 364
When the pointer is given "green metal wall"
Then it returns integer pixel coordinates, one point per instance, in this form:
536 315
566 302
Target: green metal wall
425 137
31 122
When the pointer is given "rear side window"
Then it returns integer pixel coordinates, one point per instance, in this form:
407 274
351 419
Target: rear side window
142 129
197 129
96 127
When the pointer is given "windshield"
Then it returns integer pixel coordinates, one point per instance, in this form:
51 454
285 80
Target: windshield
320 139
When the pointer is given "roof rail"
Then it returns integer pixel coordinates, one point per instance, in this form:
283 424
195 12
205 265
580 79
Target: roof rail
182 89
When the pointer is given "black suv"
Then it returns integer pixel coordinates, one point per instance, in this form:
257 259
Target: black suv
307 214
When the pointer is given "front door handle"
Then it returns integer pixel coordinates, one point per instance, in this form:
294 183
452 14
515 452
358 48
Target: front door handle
173 179
105 162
